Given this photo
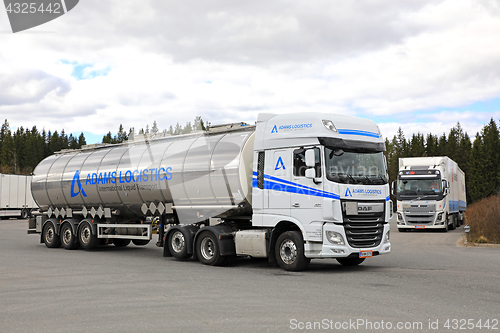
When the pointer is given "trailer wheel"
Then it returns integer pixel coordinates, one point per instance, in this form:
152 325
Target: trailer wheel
140 242
350 261
290 251
68 237
24 214
50 237
177 245
86 238
207 249
118 242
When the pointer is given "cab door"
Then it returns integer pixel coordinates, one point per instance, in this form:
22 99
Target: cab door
307 197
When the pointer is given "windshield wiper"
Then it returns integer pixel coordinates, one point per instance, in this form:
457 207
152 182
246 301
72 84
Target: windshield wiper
350 176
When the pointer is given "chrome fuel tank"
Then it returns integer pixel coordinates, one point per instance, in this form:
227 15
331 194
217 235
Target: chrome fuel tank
197 173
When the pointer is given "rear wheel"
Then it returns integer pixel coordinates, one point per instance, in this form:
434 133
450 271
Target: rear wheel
177 246
289 251
350 261
86 238
50 238
207 249
68 237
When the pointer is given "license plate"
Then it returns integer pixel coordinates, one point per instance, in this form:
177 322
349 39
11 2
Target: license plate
420 227
366 254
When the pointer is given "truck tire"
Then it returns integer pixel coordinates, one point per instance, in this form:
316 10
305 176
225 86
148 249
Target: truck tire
87 239
350 261
50 238
118 242
140 242
207 249
177 245
68 238
289 251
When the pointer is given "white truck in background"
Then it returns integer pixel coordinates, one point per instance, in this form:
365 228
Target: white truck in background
430 193
291 188
15 196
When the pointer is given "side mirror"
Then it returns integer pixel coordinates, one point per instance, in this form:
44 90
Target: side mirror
311 174
310 158
446 187
393 188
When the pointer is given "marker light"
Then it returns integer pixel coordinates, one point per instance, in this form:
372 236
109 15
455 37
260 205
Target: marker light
329 125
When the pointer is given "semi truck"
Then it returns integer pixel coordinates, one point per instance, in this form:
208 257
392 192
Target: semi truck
430 194
15 196
290 188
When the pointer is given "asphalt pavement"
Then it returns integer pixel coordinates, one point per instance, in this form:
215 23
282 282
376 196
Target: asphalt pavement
426 284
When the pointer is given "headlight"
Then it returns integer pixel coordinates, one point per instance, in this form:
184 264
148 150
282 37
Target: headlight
329 124
400 217
387 237
335 238
439 217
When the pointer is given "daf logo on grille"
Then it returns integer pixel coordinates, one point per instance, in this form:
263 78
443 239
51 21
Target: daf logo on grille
365 208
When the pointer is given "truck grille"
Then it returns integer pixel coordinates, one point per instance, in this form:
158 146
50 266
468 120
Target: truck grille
419 214
365 229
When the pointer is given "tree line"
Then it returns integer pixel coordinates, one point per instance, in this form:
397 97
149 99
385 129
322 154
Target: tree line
479 159
21 150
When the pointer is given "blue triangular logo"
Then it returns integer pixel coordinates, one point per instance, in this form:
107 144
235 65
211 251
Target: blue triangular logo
279 164
348 193
76 179
275 130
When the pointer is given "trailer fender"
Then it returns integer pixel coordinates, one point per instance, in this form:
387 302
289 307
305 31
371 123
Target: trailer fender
189 232
56 225
74 224
93 225
224 235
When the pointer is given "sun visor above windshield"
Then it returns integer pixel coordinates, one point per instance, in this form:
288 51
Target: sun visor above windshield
352 144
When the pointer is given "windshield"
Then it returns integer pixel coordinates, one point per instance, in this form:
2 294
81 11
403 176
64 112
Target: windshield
419 187
353 167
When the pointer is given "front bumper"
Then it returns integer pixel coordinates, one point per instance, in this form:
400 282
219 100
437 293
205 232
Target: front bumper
329 250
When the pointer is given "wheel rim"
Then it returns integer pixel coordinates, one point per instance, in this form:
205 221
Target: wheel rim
49 235
207 247
288 251
85 235
67 236
178 242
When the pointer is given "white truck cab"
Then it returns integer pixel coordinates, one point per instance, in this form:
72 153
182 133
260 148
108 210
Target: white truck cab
326 175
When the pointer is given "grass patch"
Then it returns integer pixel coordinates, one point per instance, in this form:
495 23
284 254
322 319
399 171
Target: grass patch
483 217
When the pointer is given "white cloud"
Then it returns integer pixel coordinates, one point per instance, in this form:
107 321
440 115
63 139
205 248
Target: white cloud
227 61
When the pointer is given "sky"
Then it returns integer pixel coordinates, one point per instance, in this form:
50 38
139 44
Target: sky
420 65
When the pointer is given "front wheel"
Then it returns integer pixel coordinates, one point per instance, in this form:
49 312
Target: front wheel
350 261
289 251
207 249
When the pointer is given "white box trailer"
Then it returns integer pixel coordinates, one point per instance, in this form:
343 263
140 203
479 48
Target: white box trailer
15 196
430 193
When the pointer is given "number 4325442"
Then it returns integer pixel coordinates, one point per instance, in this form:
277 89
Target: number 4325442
32 8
